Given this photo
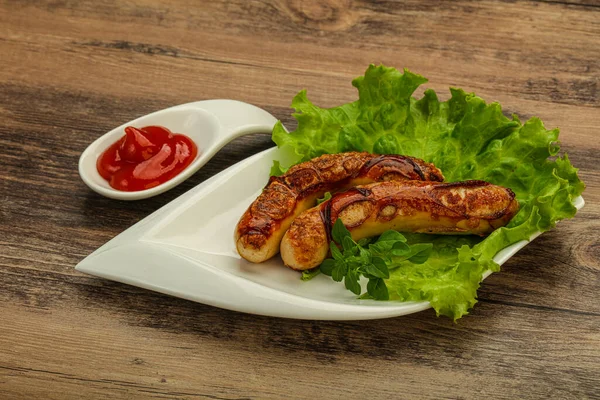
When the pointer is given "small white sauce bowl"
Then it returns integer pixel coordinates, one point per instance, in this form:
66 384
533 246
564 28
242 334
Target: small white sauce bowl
211 124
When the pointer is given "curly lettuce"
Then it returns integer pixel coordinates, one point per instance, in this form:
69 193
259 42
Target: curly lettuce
467 139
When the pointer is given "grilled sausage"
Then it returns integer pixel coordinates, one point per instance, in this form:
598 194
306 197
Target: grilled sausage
259 231
471 207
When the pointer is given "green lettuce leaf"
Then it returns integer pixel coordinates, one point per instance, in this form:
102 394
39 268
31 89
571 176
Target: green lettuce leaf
467 139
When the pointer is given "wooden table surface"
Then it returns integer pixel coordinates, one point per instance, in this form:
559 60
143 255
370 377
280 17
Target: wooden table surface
72 70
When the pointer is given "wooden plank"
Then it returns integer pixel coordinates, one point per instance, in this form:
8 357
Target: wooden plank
560 68
169 347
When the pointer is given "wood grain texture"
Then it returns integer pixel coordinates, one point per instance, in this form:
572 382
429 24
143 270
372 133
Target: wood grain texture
72 70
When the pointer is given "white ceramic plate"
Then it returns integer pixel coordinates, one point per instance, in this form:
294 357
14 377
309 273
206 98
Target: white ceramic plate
186 249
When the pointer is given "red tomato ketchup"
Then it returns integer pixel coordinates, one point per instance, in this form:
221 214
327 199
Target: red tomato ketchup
145 158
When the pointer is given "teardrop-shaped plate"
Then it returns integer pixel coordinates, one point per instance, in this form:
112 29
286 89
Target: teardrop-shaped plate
186 249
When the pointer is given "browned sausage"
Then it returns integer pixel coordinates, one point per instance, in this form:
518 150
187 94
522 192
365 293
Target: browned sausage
259 231
471 207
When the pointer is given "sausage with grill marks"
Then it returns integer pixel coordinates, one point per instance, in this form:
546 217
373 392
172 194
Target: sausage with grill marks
471 207
261 228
